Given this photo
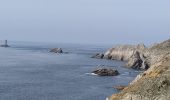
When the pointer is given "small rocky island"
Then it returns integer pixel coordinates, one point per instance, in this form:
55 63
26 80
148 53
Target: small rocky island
98 56
106 72
56 50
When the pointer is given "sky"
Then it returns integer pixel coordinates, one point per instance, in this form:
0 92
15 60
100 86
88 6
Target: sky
85 21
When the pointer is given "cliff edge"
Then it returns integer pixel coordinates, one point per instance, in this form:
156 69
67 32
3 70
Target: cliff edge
154 83
135 55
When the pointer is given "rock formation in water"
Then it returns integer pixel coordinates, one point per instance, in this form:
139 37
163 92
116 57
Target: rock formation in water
98 56
56 50
106 72
154 83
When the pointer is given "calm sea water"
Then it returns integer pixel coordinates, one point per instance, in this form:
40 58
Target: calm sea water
29 72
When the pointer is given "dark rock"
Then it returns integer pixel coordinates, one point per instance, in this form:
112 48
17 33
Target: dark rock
56 50
109 57
106 72
98 56
138 61
135 61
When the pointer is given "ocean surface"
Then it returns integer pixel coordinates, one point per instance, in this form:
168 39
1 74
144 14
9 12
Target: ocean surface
29 72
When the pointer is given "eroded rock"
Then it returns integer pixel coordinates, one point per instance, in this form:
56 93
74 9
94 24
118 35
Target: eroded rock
120 52
134 54
154 83
138 61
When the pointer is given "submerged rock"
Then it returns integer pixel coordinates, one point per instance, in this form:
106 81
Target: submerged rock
56 50
98 56
106 72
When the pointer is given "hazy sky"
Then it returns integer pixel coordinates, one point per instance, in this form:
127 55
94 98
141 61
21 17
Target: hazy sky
85 21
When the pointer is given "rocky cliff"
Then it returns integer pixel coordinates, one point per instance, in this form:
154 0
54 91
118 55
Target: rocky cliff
154 83
134 54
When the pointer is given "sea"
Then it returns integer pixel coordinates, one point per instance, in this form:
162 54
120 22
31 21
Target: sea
28 71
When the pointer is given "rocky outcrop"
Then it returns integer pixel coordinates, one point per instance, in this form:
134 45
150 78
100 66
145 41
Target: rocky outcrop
56 50
106 72
153 84
120 52
134 54
138 61
98 56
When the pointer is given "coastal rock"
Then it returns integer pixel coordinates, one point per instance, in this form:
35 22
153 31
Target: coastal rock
106 72
56 50
138 61
120 52
154 83
135 61
141 47
98 56
133 54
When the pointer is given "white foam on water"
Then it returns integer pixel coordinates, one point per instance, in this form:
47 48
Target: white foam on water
107 98
91 74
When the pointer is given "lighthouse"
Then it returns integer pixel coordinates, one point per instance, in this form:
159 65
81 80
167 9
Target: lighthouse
5 44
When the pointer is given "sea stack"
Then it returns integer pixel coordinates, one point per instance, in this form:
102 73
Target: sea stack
5 44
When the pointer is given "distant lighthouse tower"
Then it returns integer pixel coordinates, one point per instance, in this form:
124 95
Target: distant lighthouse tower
5 45
6 42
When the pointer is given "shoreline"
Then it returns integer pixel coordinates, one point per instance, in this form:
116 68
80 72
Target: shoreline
152 84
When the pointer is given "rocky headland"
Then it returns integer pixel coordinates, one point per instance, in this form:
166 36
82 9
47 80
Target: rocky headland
135 55
154 82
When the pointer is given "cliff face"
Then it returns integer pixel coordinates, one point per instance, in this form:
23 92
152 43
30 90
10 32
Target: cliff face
134 54
121 52
153 84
